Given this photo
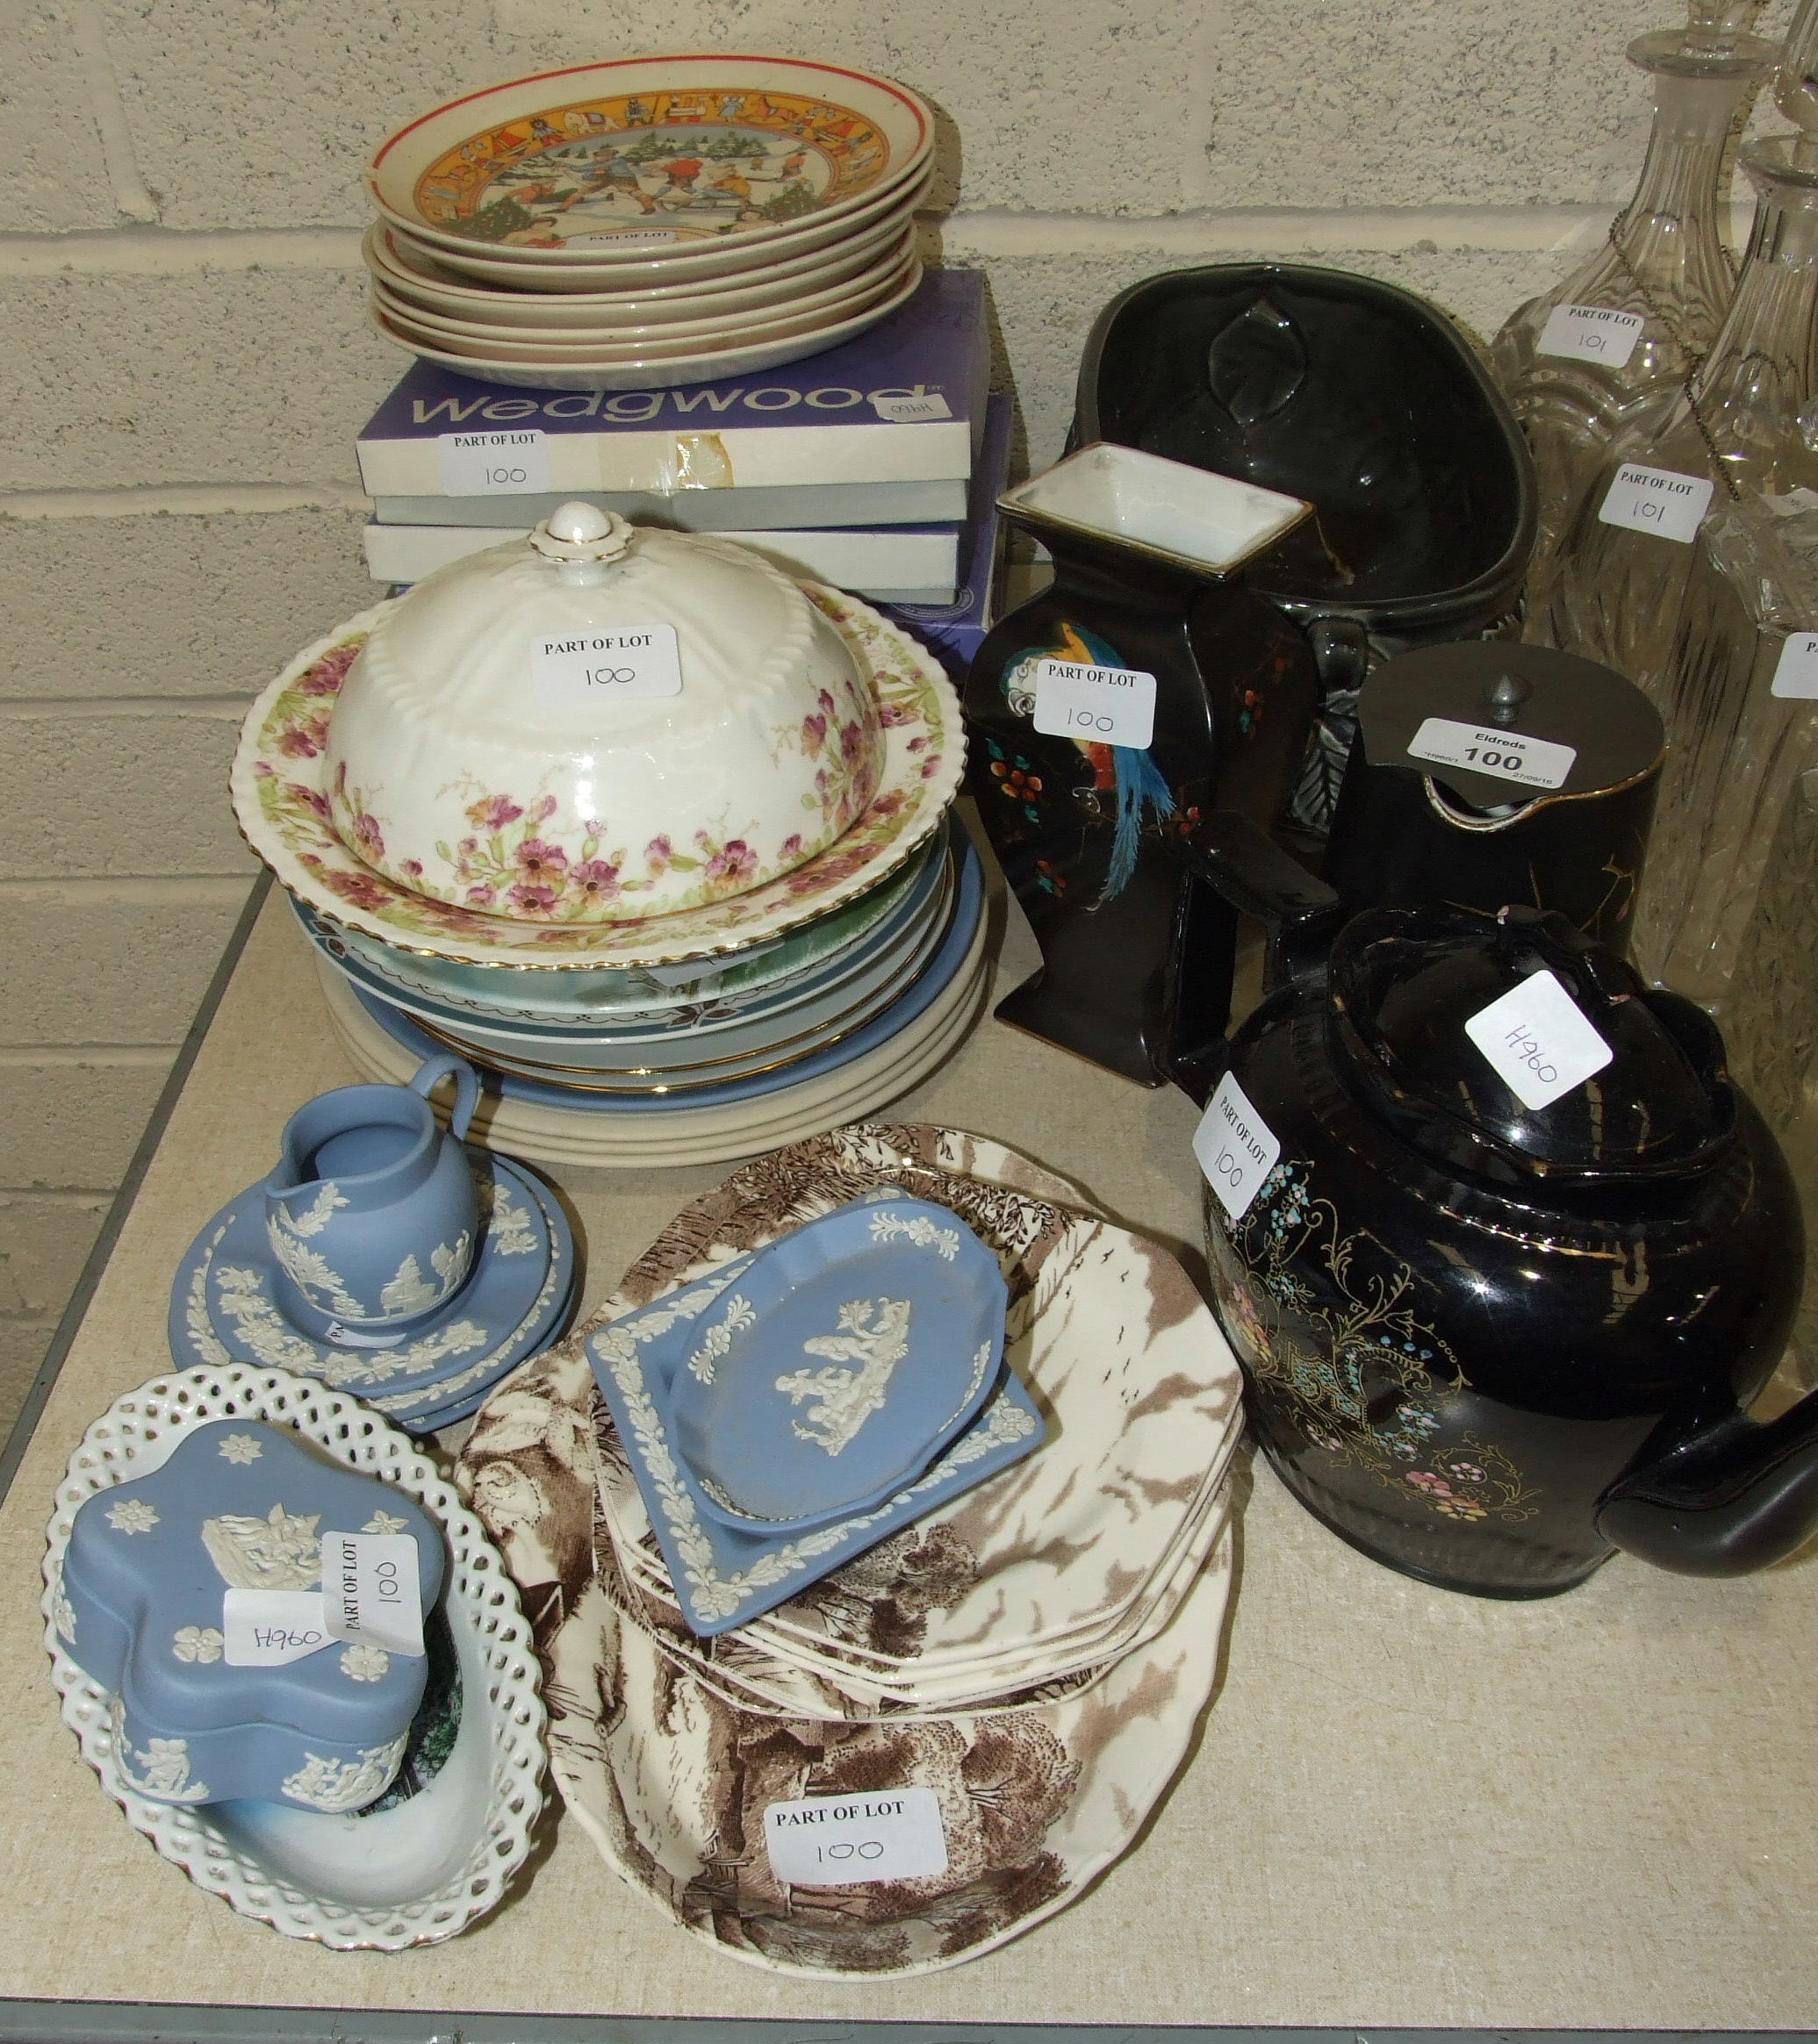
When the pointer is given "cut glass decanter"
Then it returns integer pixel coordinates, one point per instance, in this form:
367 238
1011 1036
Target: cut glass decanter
1582 361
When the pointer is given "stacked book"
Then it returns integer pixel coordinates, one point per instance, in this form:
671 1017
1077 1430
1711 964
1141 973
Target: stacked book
874 467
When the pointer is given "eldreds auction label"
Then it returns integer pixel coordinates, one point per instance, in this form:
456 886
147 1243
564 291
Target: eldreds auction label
1507 755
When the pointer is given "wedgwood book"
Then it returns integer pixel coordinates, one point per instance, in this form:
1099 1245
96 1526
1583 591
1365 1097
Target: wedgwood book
917 564
881 431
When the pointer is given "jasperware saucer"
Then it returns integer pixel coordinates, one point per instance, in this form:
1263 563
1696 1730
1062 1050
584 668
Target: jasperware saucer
840 1364
283 807
224 1308
724 1576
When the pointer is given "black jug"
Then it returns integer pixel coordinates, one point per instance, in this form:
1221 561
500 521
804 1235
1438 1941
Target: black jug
1361 398
1485 774
1485 1342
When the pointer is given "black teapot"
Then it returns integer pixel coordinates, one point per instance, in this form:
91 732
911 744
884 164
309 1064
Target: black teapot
1489 1342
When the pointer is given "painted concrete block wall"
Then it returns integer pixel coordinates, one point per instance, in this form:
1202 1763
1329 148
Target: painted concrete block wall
189 359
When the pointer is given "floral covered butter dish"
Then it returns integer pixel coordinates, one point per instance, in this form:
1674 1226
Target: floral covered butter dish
198 1597
853 1350
640 719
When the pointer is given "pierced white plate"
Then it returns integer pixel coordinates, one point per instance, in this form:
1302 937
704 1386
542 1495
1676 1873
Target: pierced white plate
412 1874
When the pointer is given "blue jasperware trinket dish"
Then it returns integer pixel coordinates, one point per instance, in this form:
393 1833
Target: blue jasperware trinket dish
239 1505
726 1574
839 1366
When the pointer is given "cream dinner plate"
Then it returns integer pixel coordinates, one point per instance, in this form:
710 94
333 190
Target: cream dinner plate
655 368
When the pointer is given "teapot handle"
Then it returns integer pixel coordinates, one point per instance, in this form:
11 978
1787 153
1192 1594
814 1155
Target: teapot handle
1247 873
430 1074
1725 1501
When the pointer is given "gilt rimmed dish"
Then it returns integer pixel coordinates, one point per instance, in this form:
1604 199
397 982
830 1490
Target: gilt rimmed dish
657 368
418 1870
282 802
677 1064
607 161
413 272
699 267
558 1007
577 1130
622 329
956 952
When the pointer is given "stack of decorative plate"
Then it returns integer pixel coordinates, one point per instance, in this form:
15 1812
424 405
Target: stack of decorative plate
1035 1652
649 221
702 906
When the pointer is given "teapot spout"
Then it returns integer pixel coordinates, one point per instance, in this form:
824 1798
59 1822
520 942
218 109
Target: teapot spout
1726 1501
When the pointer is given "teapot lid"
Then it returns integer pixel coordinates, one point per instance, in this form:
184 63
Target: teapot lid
1406 983
1577 727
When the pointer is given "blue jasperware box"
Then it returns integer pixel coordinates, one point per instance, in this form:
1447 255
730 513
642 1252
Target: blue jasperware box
240 1505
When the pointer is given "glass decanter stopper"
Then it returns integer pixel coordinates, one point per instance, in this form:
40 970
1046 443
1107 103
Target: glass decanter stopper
1636 317
1733 432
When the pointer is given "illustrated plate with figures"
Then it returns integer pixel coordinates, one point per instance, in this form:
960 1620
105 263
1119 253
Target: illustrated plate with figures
443 1846
635 156
839 1366
224 1305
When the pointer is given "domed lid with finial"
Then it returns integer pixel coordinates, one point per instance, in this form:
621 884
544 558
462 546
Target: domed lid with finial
599 723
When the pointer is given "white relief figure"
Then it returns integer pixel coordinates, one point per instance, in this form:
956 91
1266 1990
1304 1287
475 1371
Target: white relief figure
718 1338
162 1767
280 1552
411 1292
316 1216
874 1334
385 1522
203 1643
364 1662
132 1515
335 1785
514 1227
256 1322
916 1228
240 1449
63 1611
312 1273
